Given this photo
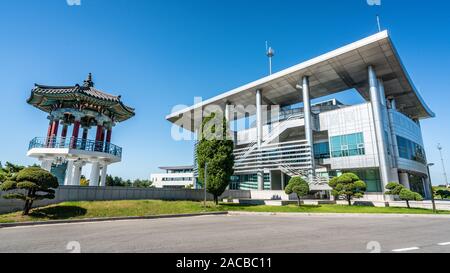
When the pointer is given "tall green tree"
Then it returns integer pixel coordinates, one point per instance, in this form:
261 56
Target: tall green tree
216 150
298 186
348 186
31 184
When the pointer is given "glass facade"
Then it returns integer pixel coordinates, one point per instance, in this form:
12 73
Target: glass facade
347 145
322 150
371 177
248 182
416 184
411 150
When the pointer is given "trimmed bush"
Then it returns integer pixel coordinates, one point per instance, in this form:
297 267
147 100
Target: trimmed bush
298 186
29 185
347 186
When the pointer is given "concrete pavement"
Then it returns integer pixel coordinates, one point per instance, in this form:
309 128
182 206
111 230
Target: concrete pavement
238 234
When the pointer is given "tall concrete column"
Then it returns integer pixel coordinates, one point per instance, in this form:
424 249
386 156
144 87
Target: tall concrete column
104 174
46 165
308 121
95 174
394 145
404 179
283 182
259 132
69 173
77 168
375 99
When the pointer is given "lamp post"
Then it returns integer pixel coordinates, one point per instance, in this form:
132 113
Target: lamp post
205 183
431 186
443 164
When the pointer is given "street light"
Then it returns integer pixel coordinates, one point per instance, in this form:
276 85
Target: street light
443 164
431 186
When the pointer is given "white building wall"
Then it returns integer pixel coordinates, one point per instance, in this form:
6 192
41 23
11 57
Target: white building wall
172 180
351 120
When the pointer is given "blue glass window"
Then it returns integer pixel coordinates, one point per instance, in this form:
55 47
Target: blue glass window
347 145
410 150
322 150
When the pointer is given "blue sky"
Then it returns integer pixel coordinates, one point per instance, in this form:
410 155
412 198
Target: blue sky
161 53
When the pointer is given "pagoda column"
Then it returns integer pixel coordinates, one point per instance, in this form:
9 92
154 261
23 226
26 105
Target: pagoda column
75 133
103 175
108 138
84 138
49 131
54 133
95 174
98 138
69 172
77 173
63 136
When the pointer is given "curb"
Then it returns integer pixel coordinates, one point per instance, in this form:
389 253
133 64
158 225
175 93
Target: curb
362 215
94 220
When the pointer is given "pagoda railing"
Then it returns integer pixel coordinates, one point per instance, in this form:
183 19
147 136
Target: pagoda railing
76 144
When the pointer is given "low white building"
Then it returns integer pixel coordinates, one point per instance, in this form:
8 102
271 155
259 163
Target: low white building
174 177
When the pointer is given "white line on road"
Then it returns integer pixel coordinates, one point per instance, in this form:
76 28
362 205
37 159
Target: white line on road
444 244
405 249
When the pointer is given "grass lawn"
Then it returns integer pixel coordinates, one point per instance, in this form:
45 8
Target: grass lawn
102 209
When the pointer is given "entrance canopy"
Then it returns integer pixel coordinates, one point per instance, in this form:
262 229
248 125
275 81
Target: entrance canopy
339 70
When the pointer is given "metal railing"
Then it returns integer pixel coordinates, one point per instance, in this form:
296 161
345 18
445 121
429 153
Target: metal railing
76 144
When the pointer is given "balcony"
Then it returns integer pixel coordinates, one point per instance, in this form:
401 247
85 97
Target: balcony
78 144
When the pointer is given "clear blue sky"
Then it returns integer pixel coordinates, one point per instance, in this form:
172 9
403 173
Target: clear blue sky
161 53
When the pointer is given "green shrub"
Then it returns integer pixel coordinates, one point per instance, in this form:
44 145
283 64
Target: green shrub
29 185
298 186
347 186
407 195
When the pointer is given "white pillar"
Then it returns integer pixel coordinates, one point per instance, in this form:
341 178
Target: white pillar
283 183
95 174
77 173
47 165
69 172
379 128
395 154
259 132
391 137
308 121
104 173
404 179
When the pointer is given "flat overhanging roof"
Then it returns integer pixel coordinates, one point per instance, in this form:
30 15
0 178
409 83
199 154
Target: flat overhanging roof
339 70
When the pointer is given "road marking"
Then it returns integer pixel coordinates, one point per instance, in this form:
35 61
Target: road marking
405 249
444 244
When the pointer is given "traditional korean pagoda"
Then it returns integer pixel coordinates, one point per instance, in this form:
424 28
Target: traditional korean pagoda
72 112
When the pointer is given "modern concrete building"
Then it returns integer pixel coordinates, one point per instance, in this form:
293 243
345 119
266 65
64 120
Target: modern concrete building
379 139
174 177
79 108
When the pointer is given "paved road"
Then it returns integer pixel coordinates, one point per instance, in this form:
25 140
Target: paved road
238 234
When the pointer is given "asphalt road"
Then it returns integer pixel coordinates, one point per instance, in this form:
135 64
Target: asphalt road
238 234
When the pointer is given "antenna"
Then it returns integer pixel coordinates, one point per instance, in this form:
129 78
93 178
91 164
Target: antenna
443 164
270 53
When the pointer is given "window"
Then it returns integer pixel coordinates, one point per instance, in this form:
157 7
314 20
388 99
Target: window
347 145
322 150
410 150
